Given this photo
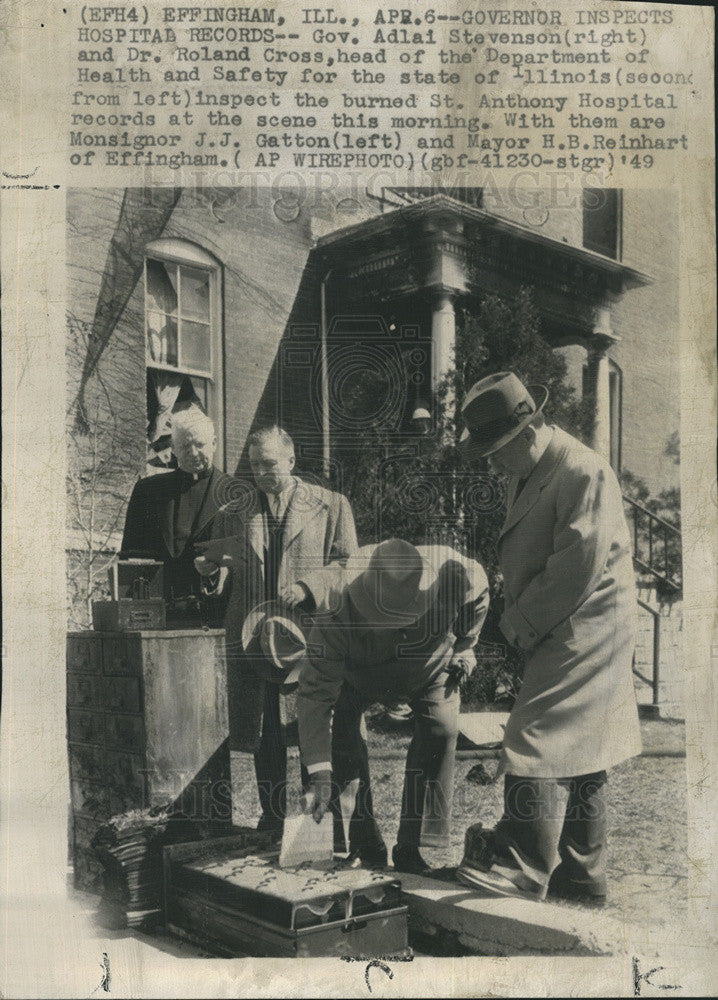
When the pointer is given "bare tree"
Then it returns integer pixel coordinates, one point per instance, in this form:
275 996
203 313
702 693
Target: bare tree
100 453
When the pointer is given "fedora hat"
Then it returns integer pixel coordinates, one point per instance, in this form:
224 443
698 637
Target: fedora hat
272 636
495 410
394 584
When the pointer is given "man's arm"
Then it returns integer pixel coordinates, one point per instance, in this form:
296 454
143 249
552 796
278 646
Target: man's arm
319 684
470 619
582 540
344 541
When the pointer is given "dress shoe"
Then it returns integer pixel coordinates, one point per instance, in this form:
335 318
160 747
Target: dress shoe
478 847
569 894
500 880
589 892
407 859
375 858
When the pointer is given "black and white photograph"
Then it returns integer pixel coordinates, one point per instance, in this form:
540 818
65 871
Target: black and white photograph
374 569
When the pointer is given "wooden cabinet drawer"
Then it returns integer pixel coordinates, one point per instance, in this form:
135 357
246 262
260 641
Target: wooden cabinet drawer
83 691
87 763
83 653
121 694
121 655
126 732
84 829
123 799
84 727
124 770
90 798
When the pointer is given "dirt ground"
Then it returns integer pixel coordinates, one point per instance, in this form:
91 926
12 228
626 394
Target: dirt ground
647 864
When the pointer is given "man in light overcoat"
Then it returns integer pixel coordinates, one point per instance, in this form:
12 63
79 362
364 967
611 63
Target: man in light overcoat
565 556
288 528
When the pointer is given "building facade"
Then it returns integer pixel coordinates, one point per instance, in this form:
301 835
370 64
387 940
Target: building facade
264 305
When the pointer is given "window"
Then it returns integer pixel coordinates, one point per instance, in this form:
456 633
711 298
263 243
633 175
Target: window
602 221
183 341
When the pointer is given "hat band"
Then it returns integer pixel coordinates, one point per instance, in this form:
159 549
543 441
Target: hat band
495 428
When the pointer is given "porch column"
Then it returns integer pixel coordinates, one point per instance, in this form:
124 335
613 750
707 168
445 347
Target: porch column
443 336
598 381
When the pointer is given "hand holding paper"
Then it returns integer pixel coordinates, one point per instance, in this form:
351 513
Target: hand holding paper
305 840
319 794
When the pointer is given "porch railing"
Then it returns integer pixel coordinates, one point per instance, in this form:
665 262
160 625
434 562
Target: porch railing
656 553
656 545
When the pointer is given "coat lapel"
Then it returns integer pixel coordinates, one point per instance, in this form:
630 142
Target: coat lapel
255 533
518 509
303 507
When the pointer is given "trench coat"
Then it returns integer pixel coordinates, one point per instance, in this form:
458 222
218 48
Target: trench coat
565 556
319 529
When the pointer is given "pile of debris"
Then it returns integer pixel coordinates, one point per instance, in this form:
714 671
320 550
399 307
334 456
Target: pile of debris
129 846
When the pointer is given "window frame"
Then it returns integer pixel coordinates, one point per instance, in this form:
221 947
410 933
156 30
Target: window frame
592 245
190 255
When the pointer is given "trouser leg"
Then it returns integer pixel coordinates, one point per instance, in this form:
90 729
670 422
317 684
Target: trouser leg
527 835
582 846
350 762
270 763
429 776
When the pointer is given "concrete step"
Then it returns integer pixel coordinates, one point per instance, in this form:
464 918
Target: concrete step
457 916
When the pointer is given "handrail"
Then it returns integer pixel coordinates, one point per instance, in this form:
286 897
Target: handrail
656 517
656 651
660 566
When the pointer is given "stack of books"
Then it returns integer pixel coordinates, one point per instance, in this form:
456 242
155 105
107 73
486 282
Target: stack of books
129 847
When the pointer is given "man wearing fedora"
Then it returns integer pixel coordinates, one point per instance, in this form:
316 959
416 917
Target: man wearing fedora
565 556
399 622
287 528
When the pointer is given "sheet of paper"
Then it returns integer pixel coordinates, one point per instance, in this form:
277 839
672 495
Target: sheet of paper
305 840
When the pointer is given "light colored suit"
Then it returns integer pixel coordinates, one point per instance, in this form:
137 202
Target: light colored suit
565 555
319 529
353 661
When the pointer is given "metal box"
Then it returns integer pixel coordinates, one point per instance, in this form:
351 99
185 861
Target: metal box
235 901
128 615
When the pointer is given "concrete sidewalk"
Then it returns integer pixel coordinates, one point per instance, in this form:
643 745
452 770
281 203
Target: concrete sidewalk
463 920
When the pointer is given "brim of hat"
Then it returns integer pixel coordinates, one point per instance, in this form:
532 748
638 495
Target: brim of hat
263 668
267 609
472 446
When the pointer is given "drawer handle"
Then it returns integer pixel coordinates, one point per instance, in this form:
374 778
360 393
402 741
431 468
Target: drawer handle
349 928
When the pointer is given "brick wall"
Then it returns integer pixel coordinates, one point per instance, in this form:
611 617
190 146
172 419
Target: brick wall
271 305
263 258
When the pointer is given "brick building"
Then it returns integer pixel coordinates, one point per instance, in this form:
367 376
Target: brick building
264 305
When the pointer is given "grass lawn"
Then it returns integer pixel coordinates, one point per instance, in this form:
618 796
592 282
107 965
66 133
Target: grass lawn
647 819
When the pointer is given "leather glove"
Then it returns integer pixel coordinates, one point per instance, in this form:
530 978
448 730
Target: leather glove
318 795
461 667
